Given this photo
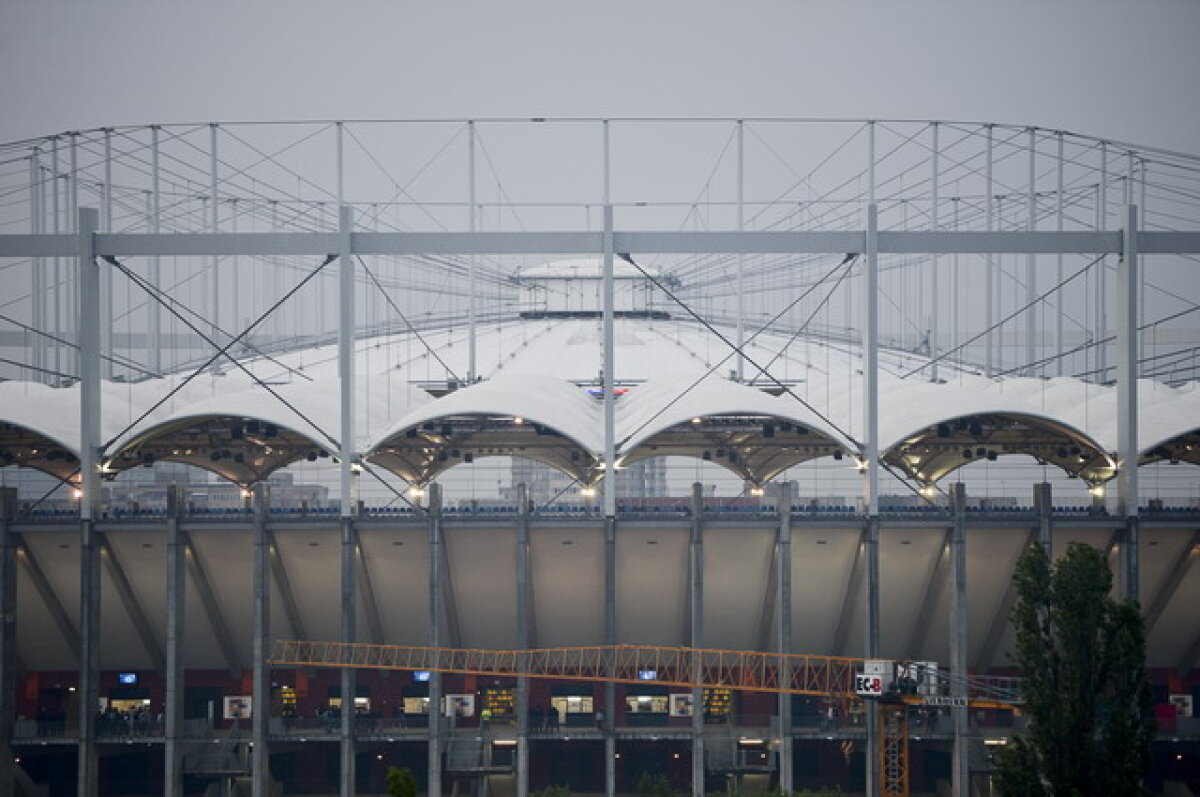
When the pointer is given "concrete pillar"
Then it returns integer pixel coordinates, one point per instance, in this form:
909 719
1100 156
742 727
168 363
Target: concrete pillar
961 772
783 630
260 724
348 500
436 566
610 638
8 637
871 460
349 685
89 504
696 637
610 435
176 590
1043 504
523 638
1127 399
874 727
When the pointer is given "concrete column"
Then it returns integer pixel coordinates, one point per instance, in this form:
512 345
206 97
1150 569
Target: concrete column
1102 269
8 637
214 226
610 638
261 761
1059 215
349 685
472 221
990 262
1031 264
106 298
936 282
37 223
874 728
1127 399
1043 504
173 708
523 638
434 788
871 469
961 772
89 504
741 258
348 494
783 630
154 218
696 639
610 434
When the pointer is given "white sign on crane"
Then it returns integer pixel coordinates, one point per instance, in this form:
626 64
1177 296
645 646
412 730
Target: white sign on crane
876 676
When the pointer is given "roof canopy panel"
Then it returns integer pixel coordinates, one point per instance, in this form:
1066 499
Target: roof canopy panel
241 449
421 452
755 447
664 402
29 448
1168 422
1182 448
752 433
536 417
929 453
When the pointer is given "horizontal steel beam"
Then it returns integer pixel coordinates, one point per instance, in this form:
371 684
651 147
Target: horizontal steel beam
1167 243
203 244
1001 243
39 245
731 242
477 243
566 243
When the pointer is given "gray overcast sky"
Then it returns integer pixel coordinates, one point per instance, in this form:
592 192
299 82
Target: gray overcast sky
1122 69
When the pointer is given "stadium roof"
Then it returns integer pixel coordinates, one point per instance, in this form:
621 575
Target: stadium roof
243 429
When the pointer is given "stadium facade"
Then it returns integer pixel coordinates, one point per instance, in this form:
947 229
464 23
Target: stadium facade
805 352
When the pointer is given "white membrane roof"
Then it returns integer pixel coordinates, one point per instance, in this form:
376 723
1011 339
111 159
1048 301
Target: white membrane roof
541 369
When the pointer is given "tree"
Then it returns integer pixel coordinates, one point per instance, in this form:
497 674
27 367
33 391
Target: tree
401 782
1082 656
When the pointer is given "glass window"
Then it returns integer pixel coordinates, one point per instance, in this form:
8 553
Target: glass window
646 704
573 704
360 703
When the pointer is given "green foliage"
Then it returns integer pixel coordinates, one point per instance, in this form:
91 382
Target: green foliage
552 791
1083 659
654 784
401 782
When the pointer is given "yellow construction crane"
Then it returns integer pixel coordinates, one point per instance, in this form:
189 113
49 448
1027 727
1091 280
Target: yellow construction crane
893 684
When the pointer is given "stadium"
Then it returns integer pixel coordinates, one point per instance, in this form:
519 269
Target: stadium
594 453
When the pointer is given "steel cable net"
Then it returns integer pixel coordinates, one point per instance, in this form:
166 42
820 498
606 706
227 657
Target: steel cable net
430 321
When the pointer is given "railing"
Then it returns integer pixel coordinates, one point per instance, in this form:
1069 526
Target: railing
983 723
673 509
332 726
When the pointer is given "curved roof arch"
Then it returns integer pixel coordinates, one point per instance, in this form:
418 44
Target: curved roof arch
242 448
243 436
39 428
930 452
1184 447
749 432
246 434
1168 429
536 417
25 447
